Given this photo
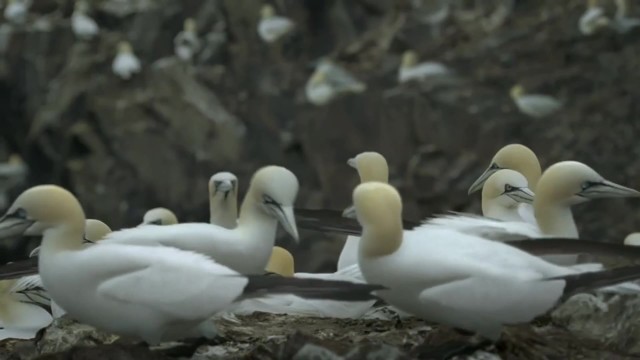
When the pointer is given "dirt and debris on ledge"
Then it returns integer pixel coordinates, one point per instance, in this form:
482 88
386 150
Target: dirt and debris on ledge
585 327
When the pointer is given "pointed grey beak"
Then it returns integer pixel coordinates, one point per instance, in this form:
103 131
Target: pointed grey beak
479 183
35 252
288 221
349 212
13 226
522 195
352 162
608 189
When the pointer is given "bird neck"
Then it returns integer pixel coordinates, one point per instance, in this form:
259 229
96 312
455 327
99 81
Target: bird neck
69 236
223 211
554 219
254 218
381 239
491 209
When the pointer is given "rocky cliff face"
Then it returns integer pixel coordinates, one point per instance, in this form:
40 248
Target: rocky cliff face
126 146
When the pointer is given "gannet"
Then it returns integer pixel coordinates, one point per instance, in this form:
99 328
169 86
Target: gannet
632 239
371 166
515 157
621 22
410 69
561 186
271 26
159 216
186 44
12 173
154 293
329 81
84 27
23 308
503 194
534 105
16 11
459 279
223 200
125 64
247 247
281 262
593 19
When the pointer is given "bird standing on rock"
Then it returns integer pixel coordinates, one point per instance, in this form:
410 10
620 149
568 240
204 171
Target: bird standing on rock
125 64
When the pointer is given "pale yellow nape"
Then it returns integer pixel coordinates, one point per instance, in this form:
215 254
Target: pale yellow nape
281 262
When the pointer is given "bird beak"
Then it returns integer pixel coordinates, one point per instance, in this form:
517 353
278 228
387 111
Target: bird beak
34 252
608 189
12 226
154 222
349 212
287 219
352 162
224 186
522 195
479 183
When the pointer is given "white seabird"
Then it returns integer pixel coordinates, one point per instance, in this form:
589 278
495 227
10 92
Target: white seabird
459 279
503 194
621 22
223 200
411 70
534 105
515 157
154 293
126 63
247 247
84 27
159 216
371 166
329 81
186 44
271 26
593 19
16 11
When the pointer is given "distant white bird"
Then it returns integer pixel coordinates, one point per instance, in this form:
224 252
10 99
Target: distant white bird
154 293
12 172
186 43
410 69
23 308
329 81
593 19
632 239
371 166
504 193
84 27
247 247
159 216
458 279
223 200
16 11
271 26
125 64
621 22
282 264
534 105
516 157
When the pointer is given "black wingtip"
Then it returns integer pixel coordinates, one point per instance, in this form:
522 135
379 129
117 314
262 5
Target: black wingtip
318 289
19 269
562 246
326 220
597 279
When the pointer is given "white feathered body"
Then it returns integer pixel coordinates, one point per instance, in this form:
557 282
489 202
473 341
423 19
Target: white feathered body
422 71
272 28
244 249
125 65
538 106
22 308
154 293
84 27
186 45
16 12
592 20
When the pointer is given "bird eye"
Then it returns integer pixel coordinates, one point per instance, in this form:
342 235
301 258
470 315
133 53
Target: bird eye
268 200
508 188
494 166
20 213
587 184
